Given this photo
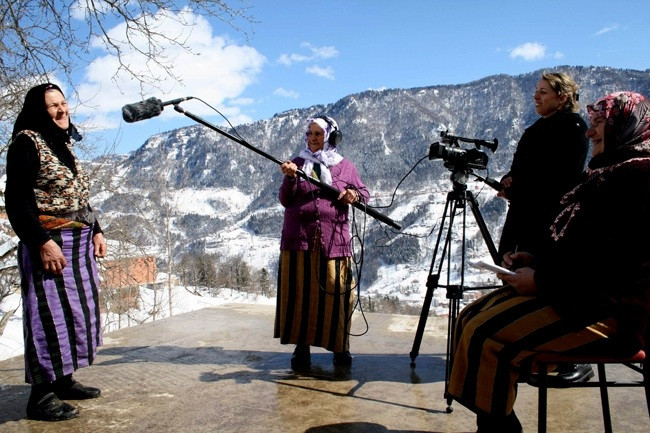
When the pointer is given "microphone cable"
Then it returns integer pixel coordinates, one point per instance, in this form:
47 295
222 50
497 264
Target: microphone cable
354 261
392 200
358 266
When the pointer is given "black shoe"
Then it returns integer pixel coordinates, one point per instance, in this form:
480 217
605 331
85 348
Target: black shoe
50 408
498 424
301 357
565 375
76 391
343 358
574 372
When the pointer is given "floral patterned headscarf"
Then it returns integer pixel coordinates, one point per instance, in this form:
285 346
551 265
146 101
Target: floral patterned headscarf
627 142
627 127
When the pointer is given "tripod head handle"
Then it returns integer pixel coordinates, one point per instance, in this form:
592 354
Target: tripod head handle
495 184
453 139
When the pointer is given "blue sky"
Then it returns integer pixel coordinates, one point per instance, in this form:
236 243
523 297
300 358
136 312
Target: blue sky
299 54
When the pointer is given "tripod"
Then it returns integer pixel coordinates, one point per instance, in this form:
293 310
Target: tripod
457 198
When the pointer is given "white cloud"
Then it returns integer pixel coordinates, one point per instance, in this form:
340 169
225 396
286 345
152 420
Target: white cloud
216 70
315 53
289 59
242 101
607 29
281 91
326 52
327 72
529 51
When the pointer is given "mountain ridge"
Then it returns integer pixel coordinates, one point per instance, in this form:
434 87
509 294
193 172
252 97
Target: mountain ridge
386 133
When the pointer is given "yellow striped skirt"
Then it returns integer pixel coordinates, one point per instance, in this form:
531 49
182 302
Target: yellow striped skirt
495 338
315 300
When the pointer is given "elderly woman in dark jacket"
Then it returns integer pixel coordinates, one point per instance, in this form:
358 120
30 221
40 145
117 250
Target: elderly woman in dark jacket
588 288
315 281
46 198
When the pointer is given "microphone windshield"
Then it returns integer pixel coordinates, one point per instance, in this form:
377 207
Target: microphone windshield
146 109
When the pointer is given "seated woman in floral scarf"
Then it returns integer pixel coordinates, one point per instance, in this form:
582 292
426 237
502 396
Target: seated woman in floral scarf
586 292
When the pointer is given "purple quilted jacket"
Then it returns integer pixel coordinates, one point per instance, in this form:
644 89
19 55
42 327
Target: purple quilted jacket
308 213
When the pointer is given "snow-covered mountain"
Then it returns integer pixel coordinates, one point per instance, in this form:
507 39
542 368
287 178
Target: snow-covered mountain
194 190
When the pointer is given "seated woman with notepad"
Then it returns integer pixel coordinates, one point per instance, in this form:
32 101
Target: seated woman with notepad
587 291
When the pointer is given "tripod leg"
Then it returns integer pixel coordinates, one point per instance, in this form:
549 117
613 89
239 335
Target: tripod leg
454 308
432 283
432 279
456 296
459 196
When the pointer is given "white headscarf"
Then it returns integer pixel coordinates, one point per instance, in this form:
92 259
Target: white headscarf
326 157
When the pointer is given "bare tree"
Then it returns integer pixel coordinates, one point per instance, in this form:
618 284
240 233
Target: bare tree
45 38
198 269
235 273
148 216
9 279
264 281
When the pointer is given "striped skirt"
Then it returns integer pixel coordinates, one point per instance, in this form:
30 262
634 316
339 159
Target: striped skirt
495 338
314 301
61 321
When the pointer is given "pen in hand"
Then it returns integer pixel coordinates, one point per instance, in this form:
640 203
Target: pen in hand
508 258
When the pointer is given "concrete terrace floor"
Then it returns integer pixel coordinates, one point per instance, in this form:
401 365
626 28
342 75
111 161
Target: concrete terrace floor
220 370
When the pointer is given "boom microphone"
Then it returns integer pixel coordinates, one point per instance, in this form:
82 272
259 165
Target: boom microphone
147 109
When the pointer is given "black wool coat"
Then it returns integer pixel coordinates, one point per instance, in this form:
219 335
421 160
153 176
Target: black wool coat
549 161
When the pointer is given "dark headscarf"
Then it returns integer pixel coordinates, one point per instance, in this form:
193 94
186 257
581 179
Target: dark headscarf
34 117
627 127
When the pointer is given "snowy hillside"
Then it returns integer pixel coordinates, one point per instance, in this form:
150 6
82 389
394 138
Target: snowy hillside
192 193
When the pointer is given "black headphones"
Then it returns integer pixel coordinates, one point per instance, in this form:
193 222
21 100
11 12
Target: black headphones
335 135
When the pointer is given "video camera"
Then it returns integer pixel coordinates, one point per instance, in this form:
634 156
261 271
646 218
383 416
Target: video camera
457 158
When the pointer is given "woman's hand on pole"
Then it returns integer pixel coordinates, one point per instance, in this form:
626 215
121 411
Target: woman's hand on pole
289 169
349 196
505 184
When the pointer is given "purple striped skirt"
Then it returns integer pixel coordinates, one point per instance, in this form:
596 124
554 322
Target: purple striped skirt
61 319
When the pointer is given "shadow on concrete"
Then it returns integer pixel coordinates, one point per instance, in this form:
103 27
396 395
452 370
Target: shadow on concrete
357 427
245 367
